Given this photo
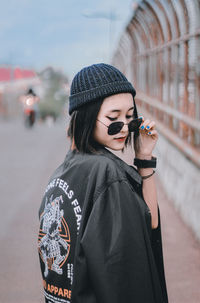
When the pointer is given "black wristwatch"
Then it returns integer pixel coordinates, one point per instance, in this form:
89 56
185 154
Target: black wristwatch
145 163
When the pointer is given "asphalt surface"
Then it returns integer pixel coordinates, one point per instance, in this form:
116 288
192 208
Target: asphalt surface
181 253
27 159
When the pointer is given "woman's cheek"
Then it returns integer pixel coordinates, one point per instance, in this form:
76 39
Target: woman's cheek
99 133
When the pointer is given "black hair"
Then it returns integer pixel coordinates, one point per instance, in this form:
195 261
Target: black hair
82 124
31 92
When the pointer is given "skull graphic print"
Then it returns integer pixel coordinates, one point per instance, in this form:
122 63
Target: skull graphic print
54 236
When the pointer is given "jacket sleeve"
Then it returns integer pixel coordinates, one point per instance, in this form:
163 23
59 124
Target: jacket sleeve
115 249
156 243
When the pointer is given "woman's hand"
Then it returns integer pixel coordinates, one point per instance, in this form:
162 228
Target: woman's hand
147 139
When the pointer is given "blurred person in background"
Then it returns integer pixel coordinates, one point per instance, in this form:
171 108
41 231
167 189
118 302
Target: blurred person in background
30 107
100 234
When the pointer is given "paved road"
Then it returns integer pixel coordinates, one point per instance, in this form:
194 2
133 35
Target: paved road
182 254
27 159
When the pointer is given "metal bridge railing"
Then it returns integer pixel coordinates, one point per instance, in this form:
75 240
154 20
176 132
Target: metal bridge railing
160 53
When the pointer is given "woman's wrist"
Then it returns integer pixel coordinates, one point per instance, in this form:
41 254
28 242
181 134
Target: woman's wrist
147 175
144 161
145 171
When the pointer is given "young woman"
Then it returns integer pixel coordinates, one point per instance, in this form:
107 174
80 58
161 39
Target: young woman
100 236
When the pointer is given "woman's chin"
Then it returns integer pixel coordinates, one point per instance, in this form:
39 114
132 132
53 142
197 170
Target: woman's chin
116 146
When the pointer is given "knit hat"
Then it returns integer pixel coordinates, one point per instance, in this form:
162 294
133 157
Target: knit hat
97 81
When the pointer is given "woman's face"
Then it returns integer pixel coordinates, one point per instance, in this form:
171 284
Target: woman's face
115 108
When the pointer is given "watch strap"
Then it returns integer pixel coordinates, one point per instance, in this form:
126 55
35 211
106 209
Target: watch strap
140 163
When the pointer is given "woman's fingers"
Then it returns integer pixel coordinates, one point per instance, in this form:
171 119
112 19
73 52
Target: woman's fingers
144 124
151 125
153 133
148 125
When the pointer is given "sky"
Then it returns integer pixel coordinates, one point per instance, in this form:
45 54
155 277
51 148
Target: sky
65 34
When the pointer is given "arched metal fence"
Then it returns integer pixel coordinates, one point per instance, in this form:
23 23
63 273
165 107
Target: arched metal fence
159 52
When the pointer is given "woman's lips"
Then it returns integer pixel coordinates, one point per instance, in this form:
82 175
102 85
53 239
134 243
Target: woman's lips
120 139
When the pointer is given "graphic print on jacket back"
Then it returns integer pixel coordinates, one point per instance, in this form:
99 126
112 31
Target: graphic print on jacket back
53 240
60 216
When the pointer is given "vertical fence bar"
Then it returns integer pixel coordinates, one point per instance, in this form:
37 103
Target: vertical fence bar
176 83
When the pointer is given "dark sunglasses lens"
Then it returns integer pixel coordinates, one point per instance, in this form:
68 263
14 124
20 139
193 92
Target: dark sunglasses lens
114 128
134 124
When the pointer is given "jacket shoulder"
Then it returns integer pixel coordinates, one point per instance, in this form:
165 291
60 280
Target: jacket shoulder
101 165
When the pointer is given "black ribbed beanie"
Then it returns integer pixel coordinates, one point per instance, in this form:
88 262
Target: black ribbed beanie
97 81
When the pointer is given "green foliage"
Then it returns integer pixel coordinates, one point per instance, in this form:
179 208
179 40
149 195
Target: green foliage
49 109
55 93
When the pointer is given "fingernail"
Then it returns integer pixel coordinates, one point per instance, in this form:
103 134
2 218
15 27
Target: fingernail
147 127
149 133
142 127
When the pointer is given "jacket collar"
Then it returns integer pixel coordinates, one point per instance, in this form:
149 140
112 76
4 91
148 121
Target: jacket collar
130 170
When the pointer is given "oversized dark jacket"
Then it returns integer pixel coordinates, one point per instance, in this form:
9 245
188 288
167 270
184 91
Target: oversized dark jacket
96 244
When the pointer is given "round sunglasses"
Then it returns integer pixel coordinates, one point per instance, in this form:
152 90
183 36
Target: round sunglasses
115 127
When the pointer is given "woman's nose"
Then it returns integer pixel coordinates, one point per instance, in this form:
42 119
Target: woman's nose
125 127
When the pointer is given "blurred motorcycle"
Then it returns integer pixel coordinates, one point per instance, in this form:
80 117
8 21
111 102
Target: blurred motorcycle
29 107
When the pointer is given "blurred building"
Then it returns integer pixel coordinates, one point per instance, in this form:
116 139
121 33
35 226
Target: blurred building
15 81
